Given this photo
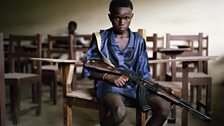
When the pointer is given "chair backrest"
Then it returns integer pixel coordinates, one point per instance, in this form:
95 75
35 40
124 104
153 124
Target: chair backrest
156 43
195 42
85 37
59 45
205 45
205 52
21 49
81 50
2 84
153 43
5 47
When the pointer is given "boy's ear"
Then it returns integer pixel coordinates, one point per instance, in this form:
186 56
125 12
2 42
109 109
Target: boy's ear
132 15
109 15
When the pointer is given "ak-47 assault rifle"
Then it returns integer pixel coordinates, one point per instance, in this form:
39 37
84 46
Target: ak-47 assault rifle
143 86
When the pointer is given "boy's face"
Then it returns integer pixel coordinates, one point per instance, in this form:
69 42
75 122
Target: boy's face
121 19
71 28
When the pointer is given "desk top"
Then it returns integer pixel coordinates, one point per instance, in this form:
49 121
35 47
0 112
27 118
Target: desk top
180 59
57 60
185 59
173 51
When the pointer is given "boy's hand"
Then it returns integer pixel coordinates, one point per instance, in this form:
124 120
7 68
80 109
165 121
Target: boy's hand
116 79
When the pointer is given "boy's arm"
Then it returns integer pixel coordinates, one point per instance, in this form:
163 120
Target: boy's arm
114 79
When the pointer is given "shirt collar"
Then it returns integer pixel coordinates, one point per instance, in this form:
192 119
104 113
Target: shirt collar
131 39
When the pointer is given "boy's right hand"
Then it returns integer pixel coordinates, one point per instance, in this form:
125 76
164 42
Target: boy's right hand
116 79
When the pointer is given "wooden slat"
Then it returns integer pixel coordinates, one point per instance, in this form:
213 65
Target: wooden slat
2 85
185 59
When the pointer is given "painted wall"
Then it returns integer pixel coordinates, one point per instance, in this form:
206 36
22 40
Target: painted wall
159 16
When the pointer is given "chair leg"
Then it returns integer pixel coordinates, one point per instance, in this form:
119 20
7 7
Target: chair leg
15 102
54 93
192 94
74 79
172 118
198 98
51 87
67 114
140 117
209 97
207 105
34 93
39 97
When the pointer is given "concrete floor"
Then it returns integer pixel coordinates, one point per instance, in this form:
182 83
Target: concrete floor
52 115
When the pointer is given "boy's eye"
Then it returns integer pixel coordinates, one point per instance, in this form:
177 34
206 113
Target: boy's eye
118 18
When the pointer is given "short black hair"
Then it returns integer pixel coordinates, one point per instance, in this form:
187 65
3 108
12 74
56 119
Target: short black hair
119 3
72 23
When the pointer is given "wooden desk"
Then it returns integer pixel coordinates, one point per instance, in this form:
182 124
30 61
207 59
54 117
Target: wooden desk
66 67
173 53
185 61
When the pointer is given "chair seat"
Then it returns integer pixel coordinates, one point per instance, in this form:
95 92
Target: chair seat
86 94
194 78
194 75
23 78
190 74
19 75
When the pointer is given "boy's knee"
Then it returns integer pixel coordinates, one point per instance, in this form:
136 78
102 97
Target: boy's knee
119 115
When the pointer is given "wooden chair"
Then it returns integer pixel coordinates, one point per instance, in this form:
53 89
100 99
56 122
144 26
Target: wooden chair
154 40
152 48
21 71
59 47
2 85
84 98
62 47
197 78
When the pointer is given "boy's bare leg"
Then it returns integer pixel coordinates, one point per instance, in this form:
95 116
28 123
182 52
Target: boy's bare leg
113 111
160 111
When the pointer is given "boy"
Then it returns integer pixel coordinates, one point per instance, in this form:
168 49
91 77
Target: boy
125 50
72 26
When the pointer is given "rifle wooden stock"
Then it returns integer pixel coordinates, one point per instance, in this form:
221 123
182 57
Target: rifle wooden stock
99 65
157 89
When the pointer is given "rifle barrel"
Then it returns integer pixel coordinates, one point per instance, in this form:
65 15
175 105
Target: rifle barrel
195 112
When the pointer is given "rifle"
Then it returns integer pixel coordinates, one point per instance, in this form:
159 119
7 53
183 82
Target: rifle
146 85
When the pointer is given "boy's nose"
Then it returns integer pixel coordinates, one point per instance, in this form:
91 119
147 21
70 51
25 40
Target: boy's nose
122 21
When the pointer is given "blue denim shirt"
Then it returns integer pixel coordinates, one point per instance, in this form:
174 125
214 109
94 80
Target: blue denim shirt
133 58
